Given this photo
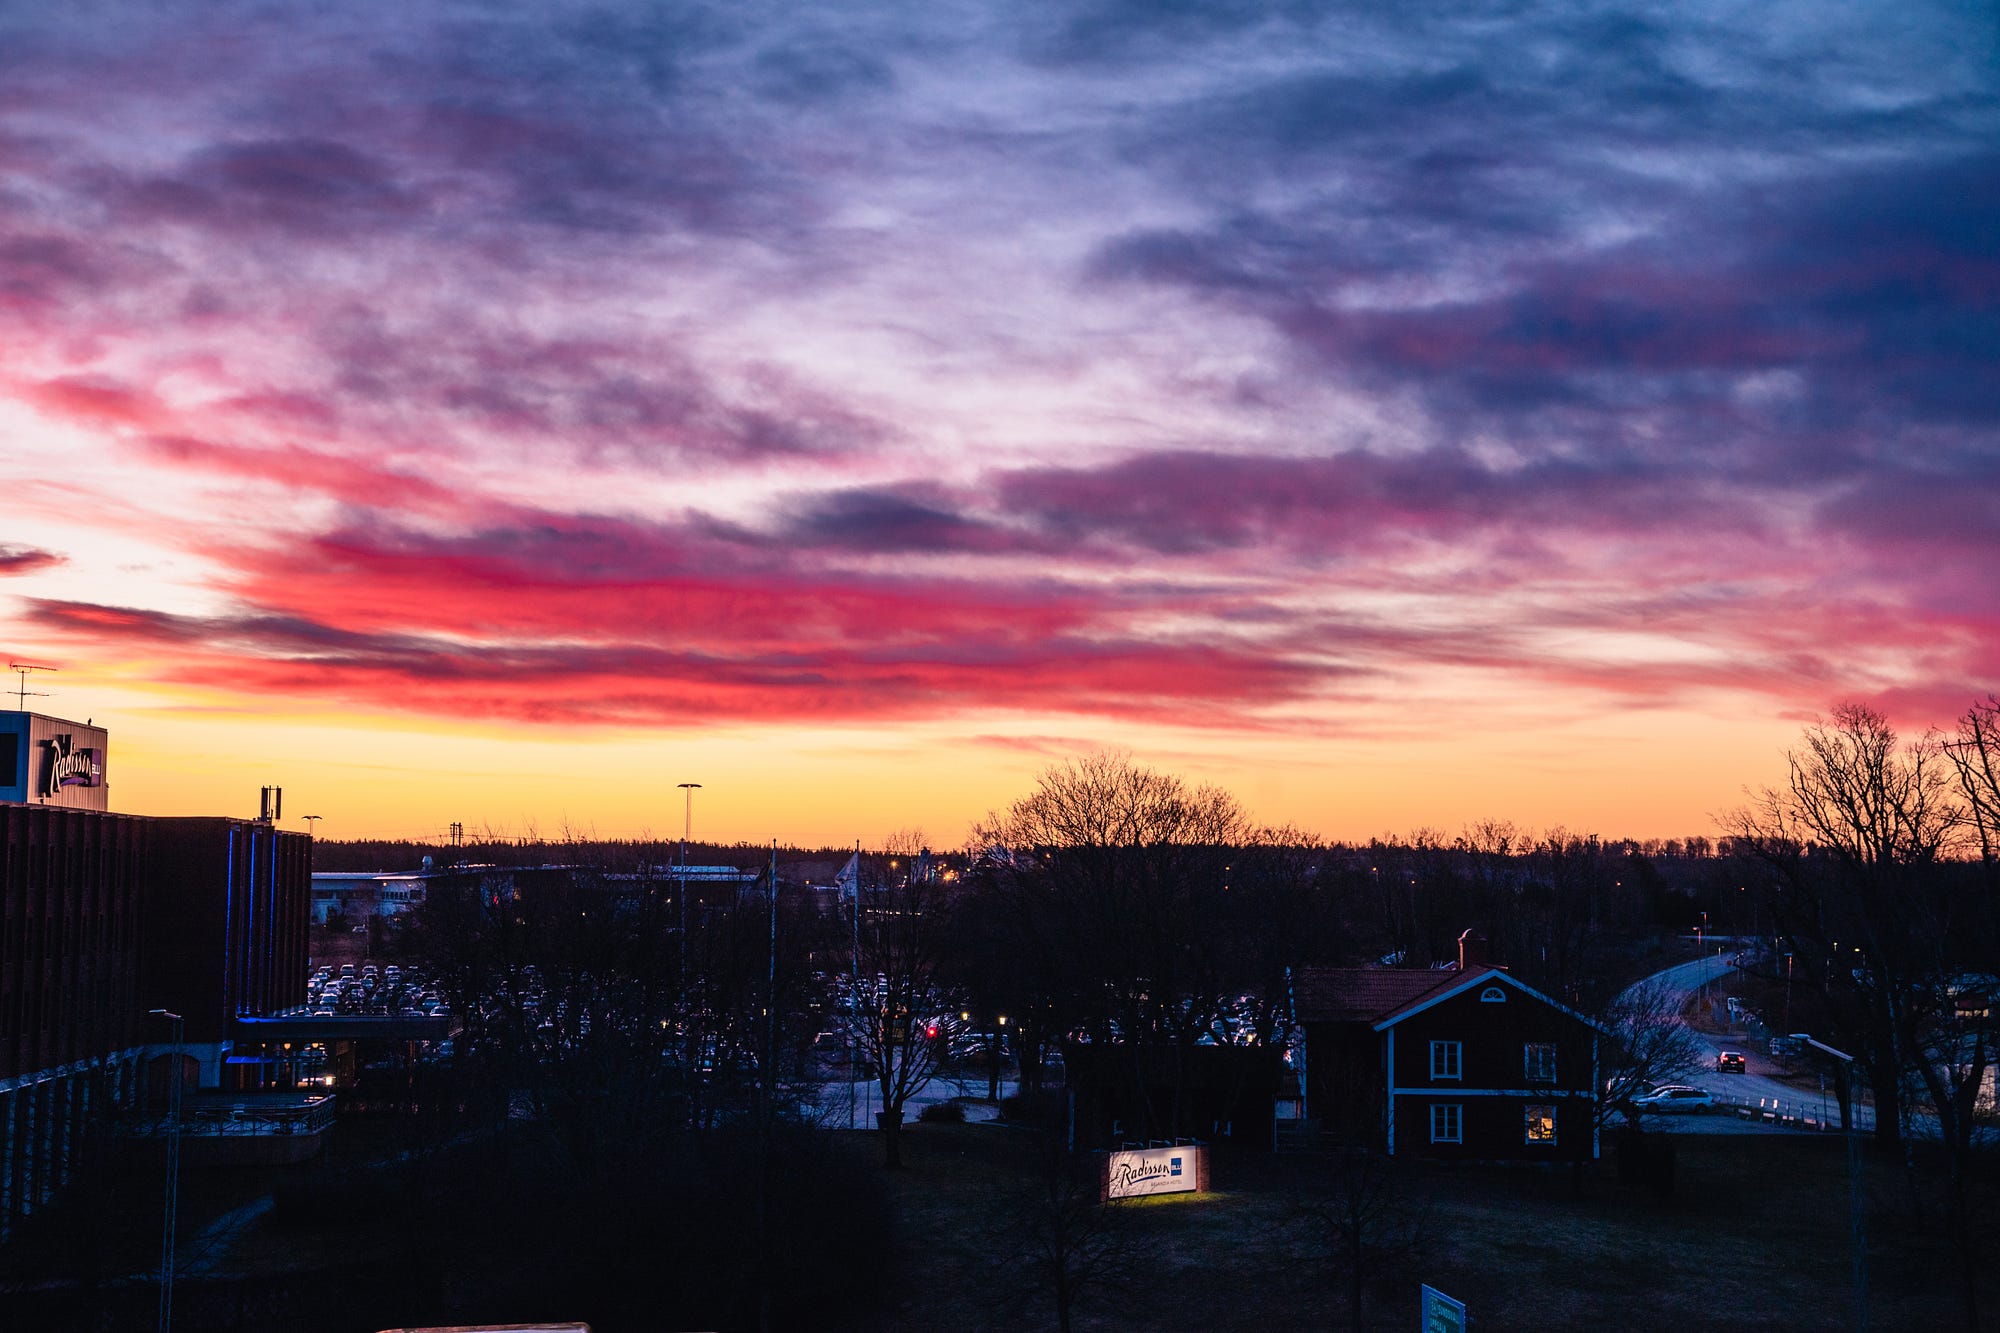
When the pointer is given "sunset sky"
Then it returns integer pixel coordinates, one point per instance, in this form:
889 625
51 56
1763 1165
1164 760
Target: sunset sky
1399 414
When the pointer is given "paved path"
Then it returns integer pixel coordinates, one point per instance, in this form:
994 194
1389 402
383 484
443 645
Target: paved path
867 1100
205 1253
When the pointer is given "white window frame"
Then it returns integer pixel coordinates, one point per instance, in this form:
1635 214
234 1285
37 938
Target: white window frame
1547 1072
1447 1122
1529 1119
1447 1061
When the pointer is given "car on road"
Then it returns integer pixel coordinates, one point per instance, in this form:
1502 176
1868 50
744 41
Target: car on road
1731 1062
1674 1097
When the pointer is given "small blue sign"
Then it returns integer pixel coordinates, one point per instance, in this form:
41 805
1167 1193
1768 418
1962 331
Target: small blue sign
1175 1163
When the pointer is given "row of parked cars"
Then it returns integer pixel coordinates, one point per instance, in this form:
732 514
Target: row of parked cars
370 990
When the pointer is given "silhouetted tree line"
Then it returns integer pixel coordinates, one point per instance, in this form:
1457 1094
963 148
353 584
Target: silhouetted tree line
1114 905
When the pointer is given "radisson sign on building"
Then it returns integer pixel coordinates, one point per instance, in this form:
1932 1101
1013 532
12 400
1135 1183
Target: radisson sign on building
47 761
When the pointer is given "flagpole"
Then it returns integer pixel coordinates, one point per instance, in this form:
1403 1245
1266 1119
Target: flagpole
854 1003
769 1109
771 980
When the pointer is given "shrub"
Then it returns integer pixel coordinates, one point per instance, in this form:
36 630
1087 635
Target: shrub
942 1113
1046 1109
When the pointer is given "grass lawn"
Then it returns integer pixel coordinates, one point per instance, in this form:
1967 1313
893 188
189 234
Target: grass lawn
1756 1237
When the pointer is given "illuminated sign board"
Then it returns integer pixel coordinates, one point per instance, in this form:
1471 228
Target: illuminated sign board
64 765
1138 1171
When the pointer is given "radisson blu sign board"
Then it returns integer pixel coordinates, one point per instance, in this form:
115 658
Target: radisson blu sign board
47 761
1137 1171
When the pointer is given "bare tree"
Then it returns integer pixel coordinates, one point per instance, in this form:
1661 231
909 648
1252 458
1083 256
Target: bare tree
1859 845
1360 1220
1644 1043
1114 875
907 1010
1853 843
1069 1239
1974 751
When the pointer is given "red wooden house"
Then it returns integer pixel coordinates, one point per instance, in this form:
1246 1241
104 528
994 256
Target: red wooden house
1463 1062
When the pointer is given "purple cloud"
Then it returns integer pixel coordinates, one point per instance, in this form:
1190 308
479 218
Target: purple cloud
17 559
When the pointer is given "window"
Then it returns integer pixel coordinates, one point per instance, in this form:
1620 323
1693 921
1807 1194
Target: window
1445 1059
1447 1123
1538 1061
1493 995
1541 1123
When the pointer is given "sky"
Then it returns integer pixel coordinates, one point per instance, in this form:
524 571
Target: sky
1398 414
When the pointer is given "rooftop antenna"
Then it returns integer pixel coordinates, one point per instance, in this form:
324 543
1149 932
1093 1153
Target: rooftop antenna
21 692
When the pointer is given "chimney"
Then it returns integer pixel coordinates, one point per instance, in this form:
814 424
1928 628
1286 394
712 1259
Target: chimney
1471 950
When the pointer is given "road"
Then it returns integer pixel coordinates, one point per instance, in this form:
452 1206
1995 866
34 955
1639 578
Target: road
1759 1087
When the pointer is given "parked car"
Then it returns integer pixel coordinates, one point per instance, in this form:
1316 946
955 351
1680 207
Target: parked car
1731 1062
1674 1097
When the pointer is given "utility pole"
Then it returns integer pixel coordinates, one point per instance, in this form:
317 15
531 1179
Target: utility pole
1788 1007
173 1136
1857 1222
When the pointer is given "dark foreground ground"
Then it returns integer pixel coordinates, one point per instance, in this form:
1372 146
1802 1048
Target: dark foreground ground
1756 1235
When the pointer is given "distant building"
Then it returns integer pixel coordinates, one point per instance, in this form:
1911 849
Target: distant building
1459 1063
356 896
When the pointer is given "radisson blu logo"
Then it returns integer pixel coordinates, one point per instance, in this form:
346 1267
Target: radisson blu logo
65 766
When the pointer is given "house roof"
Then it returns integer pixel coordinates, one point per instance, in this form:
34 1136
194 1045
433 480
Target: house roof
1363 994
1385 996
1479 976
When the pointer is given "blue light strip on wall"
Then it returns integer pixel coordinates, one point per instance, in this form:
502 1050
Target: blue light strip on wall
228 917
265 994
242 959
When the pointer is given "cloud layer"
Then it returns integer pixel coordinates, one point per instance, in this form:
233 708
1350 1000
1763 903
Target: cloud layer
1213 365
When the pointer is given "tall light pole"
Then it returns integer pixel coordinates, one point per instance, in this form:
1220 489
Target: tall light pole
1701 952
312 824
1788 1013
688 789
687 827
173 1172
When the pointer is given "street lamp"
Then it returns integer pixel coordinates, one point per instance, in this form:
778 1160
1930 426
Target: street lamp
173 1171
993 1062
688 826
688 789
312 824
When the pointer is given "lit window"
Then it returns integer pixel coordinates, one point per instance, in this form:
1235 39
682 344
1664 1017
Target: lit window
1541 1121
1445 1059
1538 1061
1493 995
1447 1123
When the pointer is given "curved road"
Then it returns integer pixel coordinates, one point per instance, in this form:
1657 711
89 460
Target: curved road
1759 1084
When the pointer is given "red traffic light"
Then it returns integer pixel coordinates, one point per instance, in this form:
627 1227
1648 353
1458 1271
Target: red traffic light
931 1031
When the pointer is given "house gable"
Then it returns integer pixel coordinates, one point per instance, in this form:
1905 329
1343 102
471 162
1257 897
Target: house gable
1480 979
